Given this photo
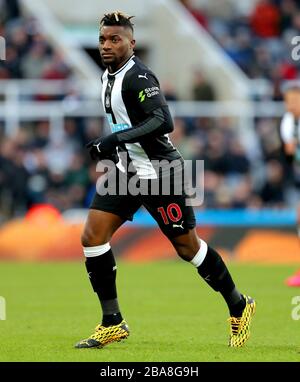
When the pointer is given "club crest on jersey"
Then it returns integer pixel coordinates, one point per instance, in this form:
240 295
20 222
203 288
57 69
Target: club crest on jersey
107 101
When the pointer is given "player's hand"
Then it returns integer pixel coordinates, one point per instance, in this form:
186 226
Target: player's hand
112 157
102 148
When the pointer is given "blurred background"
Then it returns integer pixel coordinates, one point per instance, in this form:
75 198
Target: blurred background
220 63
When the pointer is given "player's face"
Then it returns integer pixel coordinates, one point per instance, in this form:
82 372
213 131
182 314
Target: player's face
292 102
116 45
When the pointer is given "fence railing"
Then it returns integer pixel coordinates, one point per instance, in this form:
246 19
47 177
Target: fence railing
20 100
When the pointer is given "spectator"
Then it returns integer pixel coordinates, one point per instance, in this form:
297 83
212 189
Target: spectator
41 136
265 19
288 8
12 62
272 192
215 156
77 174
12 9
187 146
238 161
13 177
35 61
169 91
202 89
242 51
55 69
242 193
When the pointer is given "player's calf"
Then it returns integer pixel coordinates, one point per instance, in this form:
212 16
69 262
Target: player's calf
212 269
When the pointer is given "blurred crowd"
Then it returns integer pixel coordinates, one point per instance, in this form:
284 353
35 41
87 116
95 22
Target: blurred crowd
258 39
231 179
38 166
28 54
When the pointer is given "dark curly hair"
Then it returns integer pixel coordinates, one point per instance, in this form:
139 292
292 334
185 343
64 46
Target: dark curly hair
117 18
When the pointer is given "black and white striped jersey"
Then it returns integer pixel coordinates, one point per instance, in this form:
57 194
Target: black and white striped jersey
138 114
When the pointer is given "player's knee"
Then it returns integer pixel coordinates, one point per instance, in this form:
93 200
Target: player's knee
186 245
86 239
91 238
186 251
185 255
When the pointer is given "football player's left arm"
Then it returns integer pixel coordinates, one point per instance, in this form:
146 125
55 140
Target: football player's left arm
158 123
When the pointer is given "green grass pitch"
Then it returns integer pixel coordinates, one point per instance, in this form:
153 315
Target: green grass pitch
173 315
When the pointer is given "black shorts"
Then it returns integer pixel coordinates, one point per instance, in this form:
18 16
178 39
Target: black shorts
169 209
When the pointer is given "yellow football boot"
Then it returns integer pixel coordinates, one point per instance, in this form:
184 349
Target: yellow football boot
104 335
240 326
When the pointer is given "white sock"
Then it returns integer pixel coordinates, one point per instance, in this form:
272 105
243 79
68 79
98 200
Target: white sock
200 255
96 251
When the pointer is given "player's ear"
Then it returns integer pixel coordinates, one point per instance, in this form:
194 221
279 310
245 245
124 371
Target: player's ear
132 43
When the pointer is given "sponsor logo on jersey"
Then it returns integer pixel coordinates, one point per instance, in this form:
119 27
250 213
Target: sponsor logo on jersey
143 76
148 92
142 96
115 127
